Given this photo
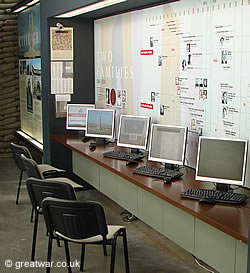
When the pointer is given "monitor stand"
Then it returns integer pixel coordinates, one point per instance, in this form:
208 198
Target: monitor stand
170 166
101 141
135 151
223 187
84 137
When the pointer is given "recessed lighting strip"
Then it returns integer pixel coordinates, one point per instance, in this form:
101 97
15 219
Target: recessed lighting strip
22 5
33 2
86 9
31 140
20 9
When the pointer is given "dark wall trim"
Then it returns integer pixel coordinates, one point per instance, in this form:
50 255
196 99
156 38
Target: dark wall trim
83 73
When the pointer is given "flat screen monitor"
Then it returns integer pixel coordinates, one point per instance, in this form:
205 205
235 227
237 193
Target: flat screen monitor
168 144
133 132
100 123
221 160
76 116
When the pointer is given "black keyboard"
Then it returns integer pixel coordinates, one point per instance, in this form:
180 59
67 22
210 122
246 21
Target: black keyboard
216 196
157 172
123 155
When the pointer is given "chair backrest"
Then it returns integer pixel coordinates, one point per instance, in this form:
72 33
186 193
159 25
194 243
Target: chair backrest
31 167
39 189
74 219
17 150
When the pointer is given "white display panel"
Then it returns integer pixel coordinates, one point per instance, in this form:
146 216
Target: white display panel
221 160
133 131
100 123
31 97
167 144
76 116
185 63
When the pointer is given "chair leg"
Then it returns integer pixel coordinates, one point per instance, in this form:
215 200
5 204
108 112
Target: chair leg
19 187
113 252
34 237
104 249
66 245
125 247
49 254
32 213
82 258
58 242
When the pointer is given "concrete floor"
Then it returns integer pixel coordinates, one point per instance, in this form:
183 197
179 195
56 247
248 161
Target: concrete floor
149 251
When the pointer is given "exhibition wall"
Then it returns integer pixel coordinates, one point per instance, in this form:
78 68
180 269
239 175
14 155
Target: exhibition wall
84 61
183 63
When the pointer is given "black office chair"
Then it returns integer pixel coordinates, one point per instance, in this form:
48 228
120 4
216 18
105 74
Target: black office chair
46 170
39 189
83 223
32 169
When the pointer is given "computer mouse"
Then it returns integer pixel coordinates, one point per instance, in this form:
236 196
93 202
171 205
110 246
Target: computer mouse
131 162
205 200
92 147
85 139
167 180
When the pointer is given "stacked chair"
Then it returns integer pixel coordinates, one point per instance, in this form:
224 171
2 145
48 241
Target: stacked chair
44 171
38 190
33 170
66 219
83 223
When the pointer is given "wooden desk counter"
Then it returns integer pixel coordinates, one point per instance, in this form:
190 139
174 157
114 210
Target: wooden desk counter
232 220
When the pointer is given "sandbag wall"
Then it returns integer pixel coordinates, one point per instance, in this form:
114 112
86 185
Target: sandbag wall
9 84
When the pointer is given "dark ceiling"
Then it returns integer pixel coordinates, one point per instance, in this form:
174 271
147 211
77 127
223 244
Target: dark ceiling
129 5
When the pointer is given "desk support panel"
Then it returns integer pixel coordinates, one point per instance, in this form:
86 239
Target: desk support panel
118 189
215 247
179 226
86 169
150 210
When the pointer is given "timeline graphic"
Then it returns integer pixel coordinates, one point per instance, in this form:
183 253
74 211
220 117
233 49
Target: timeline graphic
187 64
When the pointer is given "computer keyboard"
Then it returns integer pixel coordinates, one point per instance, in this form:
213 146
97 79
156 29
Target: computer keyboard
157 172
214 195
123 155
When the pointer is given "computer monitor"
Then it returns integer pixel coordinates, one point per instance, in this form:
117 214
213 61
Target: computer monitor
100 124
168 145
76 116
221 161
133 132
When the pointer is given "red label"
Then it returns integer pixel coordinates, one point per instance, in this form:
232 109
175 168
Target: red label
147 105
147 52
215 60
